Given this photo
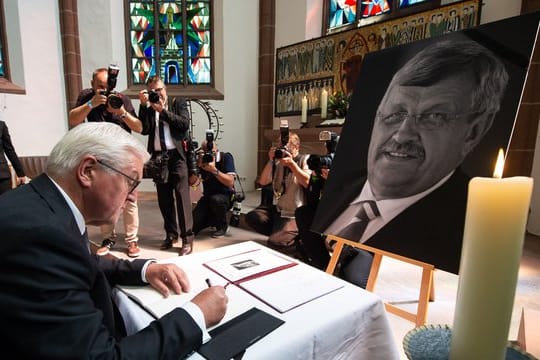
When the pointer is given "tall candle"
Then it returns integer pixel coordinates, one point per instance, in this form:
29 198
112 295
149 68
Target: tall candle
304 110
492 243
324 103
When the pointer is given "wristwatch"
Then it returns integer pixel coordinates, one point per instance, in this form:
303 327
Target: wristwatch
89 103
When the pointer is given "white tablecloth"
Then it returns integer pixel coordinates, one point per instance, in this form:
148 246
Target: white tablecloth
349 323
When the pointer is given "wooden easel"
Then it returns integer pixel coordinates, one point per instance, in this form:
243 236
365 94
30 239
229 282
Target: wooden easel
426 286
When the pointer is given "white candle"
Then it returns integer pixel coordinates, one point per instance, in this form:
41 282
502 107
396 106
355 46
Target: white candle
495 223
304 110
324 103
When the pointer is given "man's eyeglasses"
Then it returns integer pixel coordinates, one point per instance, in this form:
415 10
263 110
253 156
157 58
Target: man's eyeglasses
157 89
132 183
427 121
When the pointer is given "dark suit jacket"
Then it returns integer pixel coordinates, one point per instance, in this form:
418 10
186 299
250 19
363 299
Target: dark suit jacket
55 300
430 230
178 119
6 148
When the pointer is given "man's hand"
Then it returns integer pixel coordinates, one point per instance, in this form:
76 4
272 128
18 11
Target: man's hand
143 97
213 304
167 276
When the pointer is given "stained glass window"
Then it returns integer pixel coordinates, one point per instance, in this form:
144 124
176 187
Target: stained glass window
405 3
375 7
342 12
171 39
2 41
342 15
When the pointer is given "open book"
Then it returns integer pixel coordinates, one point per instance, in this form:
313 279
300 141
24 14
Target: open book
157 305
274 279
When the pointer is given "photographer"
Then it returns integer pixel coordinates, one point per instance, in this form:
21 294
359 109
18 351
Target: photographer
217 176
289 175
102 103
166 122
320 166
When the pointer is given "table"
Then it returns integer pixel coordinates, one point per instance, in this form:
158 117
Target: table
349 323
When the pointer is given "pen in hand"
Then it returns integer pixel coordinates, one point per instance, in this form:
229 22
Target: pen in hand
208 282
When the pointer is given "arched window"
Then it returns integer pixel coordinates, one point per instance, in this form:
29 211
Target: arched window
6 86
172 39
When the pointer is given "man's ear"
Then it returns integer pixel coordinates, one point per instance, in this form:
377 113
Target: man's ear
86 171
477 130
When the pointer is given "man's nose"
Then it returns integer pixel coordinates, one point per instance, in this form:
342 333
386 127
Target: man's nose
406 131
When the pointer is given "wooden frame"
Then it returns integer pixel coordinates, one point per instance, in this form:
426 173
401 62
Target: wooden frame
333 62
426 286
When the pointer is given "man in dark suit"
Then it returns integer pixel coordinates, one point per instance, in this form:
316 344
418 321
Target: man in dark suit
166 122
435 111
56 296
7 149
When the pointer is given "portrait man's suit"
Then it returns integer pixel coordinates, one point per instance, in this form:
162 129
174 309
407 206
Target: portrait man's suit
55 300
430 230
7 149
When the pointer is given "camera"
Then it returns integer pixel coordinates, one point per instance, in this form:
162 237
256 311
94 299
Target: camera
318 162
153 97
208 155
191 156
235 214
280 152
113 99
237 199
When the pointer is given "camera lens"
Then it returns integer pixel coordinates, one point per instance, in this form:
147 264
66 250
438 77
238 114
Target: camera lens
115 101
153 97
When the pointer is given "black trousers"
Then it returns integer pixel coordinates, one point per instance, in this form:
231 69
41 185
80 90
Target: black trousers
174 200
211 210
5 185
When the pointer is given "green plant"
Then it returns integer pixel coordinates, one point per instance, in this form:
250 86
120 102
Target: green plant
338 104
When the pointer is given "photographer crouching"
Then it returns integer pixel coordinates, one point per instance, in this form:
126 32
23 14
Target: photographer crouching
217 174
166 122
288 172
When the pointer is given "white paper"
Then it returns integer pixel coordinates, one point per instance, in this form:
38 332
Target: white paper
286 289
247 264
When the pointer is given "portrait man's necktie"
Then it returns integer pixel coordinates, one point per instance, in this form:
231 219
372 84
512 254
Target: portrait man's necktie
367 211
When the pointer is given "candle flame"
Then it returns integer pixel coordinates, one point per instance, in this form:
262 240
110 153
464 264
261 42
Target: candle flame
499 166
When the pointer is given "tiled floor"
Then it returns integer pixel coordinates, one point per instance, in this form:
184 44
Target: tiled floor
397 282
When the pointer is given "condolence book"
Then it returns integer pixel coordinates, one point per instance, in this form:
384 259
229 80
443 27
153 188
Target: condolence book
273 279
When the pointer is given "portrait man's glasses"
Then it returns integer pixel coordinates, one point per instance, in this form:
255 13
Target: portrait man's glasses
427 121
132 183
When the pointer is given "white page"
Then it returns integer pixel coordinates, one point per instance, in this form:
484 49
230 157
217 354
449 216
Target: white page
286 289
250 263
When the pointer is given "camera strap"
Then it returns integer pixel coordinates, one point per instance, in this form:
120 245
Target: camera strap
237 179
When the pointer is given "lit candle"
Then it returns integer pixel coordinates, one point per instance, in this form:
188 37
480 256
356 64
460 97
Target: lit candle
495 223
324 103
304 110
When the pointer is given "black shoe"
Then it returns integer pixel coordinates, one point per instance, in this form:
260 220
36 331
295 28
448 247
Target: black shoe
106 246
167 243
219 233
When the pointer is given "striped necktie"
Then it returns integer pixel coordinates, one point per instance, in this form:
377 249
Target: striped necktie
367 211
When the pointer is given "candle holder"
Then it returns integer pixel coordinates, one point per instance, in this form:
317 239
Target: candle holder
433 342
